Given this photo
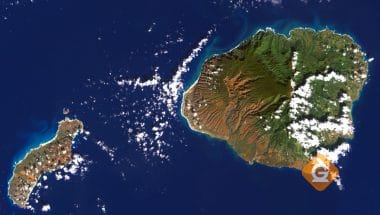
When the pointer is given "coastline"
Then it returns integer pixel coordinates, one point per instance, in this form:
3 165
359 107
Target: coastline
30 151
15 164
34 139
219 52
287 35
187 120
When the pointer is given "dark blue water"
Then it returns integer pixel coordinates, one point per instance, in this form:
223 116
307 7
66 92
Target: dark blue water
48 50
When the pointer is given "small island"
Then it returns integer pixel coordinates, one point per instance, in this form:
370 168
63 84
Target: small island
48 157
279 100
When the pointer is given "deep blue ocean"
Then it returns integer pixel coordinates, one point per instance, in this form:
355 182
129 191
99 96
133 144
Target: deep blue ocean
53 54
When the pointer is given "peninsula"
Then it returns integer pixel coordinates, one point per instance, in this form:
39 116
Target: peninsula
48 157
279 100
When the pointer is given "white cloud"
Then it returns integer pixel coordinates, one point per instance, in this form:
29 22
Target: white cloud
172 89
339 183
138 83
58 176
306 131
334 155
46 208
275 2
150 125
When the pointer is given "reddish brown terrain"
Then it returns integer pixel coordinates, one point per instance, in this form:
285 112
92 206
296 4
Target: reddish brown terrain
48 157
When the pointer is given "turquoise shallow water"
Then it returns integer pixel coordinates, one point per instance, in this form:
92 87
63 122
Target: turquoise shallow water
43 132
50 50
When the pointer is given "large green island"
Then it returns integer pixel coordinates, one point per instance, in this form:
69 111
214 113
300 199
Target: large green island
48 157
278 100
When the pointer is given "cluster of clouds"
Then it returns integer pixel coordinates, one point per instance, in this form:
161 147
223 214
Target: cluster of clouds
102 145
147 120
246 5
78 166
279 2
308 132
